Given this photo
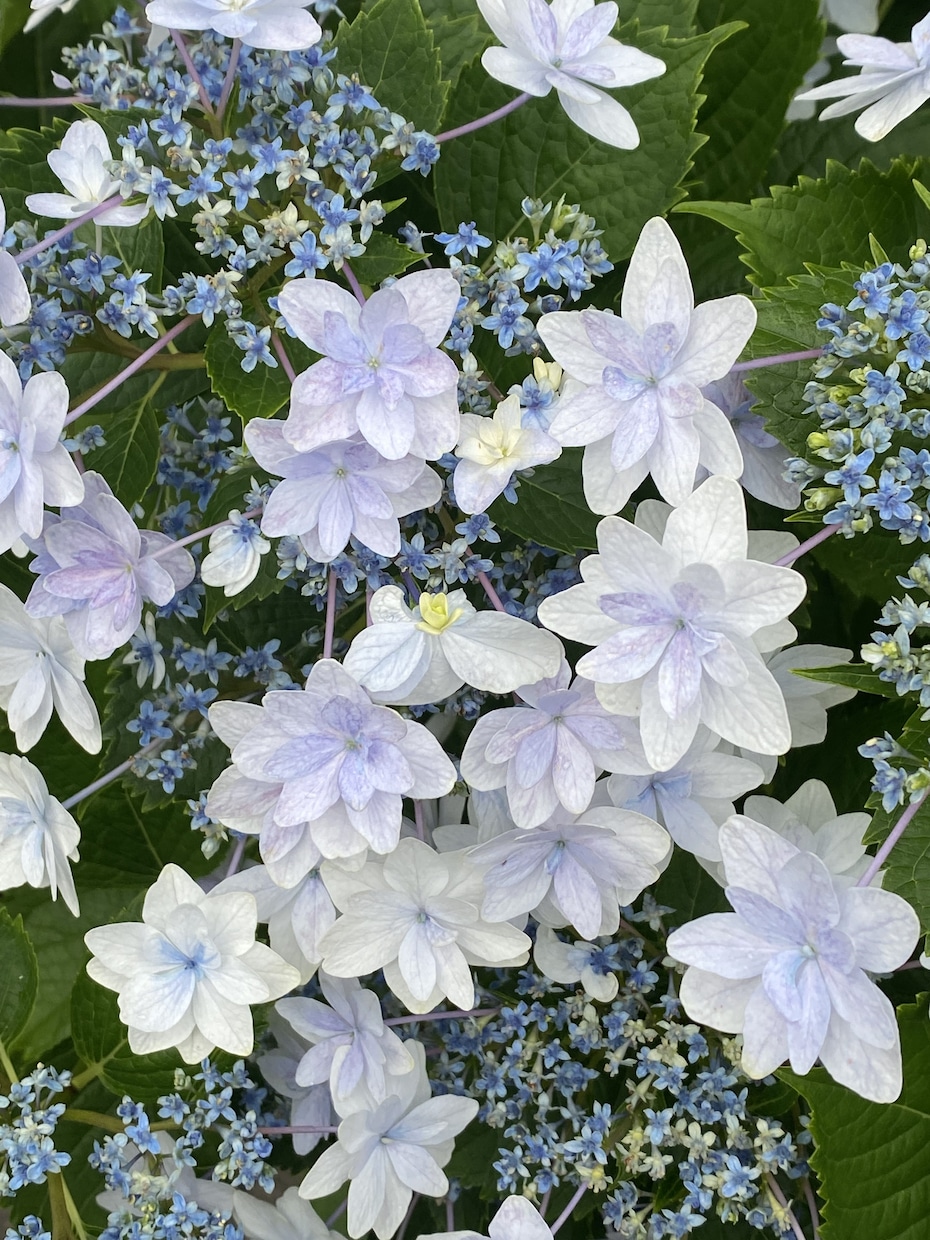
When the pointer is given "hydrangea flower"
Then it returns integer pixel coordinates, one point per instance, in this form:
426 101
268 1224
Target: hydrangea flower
789 968
690 799
808 819
547 753
235 555
516 1219
382 373
672 625
580 869
415 915
891 84
568 48
297 914
342 490
95 568
311 1105
350 1045
331 758
15 302
35 468
187 973
571 963
81 163
42 8
392 1151
764 457
38 837
279 25
860 16
40 671
641 409
289 1217
425 653
492 450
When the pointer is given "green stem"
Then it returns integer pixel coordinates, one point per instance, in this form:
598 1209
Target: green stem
109 1123
7 1065
61 1221
73 1213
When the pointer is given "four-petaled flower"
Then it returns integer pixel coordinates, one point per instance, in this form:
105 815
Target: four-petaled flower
81 163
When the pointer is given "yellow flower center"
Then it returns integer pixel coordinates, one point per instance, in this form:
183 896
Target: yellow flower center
435 615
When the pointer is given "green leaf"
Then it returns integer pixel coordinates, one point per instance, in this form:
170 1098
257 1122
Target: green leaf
872 1158
551 509
129 457
393 52
57 937
140 249
686 887
537 151
384 256
857 676
787 324
824 222
24 168
256 395
460 37
13 14
679 16
19 977
265 584
101 1041
749 83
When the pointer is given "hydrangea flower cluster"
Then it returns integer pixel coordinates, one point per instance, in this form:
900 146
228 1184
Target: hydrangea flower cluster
870 395
416 721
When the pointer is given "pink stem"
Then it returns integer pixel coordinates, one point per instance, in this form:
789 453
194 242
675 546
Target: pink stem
812 1206
236 859
337 1213
815 540
418 819
783 1202
567 1212
53 101
192 70
278 345
110 776
544 1204
491 592
759 362
136 364
897 831
294 1129
353 283
330 629
428 1016
230 77
199 535
55 237
489 119
450 1214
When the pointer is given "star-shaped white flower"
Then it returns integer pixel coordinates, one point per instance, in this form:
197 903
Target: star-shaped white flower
391 1151
579 961
584 868
673 626
567 46
547 752
893 81
38 836
789 969
640 410
413 655
690 799
15 302
351 1047
491 450
35 468
81 163
187 973
42 8
235 555
40 670
273 25
808 819
415 915
382 374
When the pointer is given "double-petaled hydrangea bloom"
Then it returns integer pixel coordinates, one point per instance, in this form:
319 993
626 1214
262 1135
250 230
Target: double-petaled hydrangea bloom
789 968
